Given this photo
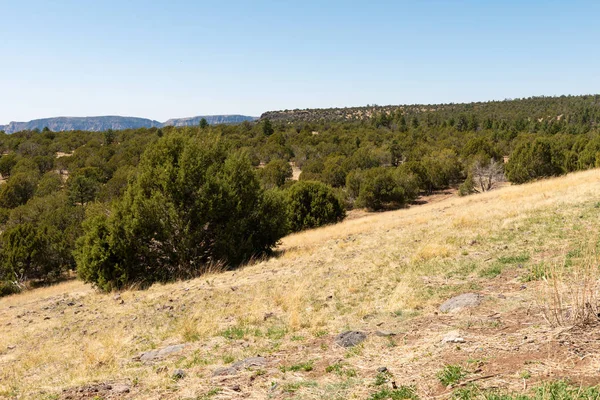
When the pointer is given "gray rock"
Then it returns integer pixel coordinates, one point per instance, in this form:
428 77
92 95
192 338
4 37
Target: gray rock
178 374
350 338
382 369
156 354
453 337
460 302
120 389
241 365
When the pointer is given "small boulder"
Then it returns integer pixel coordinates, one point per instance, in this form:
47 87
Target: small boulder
453 337
350 338
178 374
155 354
240 365
458 303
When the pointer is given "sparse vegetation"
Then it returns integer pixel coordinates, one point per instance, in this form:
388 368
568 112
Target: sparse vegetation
451 375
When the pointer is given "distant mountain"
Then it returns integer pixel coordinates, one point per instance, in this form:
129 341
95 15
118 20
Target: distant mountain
211 119
115 123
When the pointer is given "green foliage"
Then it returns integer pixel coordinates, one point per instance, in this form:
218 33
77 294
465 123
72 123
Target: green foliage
304 366
529 161
401 393
83 185
267 127
275 173
7 162
49 183
19 189
25 251
559 390
312 204
451 374
381 187
190 205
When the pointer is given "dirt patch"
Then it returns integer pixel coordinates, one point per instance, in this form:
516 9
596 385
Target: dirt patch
99 391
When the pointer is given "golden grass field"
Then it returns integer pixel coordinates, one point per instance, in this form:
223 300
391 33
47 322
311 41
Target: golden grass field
384 272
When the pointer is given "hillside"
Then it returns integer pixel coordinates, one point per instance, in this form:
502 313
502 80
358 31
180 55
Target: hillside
384 274
540 108
103 123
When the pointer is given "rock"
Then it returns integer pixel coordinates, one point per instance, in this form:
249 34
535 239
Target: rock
240 365
236 388
460 302
382 369
453 337
384 333
120 389
178 374
350 338
268 315
155 354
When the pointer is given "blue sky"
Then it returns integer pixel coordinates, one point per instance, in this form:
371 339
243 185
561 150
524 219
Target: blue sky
163 59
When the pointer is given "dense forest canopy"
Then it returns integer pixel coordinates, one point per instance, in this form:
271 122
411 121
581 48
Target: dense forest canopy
66 195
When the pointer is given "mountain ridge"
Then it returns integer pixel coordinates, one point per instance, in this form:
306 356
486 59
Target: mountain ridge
116 122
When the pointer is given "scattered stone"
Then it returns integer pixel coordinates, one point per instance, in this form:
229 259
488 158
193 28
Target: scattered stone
453 337
236 388
70 304
120 389
382 369
156 354
117 297
97 391
501 296
457 303
350 338
241 365
46 318
178 374
268 315
384 333
523 287
11 347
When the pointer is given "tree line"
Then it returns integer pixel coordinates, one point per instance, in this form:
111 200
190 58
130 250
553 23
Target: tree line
145 205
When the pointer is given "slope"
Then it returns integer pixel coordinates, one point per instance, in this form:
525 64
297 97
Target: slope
383 274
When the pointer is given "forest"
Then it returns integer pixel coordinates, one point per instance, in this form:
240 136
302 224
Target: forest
133 207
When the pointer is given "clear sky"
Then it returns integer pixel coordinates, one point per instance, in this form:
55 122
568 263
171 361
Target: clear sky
162 59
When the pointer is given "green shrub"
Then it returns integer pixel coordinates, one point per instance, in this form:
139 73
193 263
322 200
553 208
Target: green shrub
378 188
311 204
8 288
275 173
191 204
531 160
27 253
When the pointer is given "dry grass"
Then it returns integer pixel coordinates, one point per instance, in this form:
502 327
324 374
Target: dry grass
386 271
570 296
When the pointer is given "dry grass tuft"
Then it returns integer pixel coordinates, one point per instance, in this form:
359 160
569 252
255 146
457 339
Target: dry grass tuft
571 293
